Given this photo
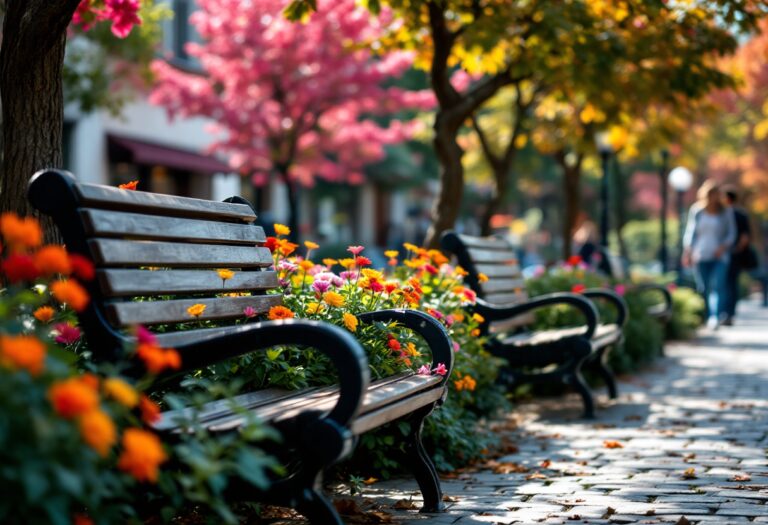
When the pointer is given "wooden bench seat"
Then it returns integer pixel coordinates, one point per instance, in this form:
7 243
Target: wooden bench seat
508 313
157 255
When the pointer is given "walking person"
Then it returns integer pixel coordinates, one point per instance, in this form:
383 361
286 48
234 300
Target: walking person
709 235
740 255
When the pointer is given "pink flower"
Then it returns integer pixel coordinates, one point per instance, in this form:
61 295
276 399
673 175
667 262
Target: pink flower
456 346
441 370
620 289
249 311
347 275
539 271
284 283
671 287
66 333
287 266
321 286
578 288
434 313
424 371
449 320
124 15
144 336
355 250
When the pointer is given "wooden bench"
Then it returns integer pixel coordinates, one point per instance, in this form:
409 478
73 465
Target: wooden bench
509 312
163 247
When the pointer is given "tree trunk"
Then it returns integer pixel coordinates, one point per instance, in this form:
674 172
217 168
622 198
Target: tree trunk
446 208
501 178
31 62
572 197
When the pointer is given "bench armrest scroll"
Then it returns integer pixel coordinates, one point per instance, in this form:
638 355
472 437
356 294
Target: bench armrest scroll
429 328
658 289
344 351
612 298
497 313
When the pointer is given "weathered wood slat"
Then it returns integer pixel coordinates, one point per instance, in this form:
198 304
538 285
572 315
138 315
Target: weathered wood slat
484 243
506 299
108 223
502 257
175 311
499 271
393 399
503 284
512 324
111 198
115 252
123 282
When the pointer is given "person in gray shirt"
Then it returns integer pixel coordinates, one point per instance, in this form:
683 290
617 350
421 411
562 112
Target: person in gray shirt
709 234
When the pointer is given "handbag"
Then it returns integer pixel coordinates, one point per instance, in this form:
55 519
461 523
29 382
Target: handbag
747 258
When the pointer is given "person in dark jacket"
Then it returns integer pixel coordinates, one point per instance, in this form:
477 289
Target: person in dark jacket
738 252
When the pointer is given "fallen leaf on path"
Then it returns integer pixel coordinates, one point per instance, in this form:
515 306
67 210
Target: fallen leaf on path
689 473
546 463
370 481
741 477
683 521
450 499
535 475
404 504
507 468
612 444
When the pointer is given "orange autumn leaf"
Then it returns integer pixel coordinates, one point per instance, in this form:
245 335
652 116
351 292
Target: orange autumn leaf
129 185
612 444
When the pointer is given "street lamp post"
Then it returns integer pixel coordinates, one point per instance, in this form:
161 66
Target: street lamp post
605 150
663 174
680 178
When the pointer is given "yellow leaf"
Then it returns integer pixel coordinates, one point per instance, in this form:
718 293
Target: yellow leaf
521 141
761 130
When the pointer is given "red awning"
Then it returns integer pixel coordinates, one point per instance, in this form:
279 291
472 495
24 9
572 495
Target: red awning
139 152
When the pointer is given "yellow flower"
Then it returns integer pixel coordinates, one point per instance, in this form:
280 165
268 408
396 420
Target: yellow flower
347 262
460 271
482 277
458 316
372 274
410 247
311 245
282 229
196 310
314 308
225 274
478 318
437 257
413 263
306 265
333 299
330 262
121 392
410 349
350 321
391 253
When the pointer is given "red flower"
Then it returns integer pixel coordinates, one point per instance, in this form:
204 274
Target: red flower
82 267
361 260
574 260
394 344
20 267
271 244
429 269
578 288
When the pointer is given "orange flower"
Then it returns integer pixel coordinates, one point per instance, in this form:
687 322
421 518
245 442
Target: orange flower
44 314
52 259
157 359
482 277
129 185
150 411
196 310
225 274
350 321
142 454
282 229
70 293
19 232
98 431
121 392
437 257
280 312
333 299
23 351
460 271
478 318
306 265
311 245
330 262
73 397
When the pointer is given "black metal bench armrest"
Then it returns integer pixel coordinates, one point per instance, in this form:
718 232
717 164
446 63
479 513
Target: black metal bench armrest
612 298
429 328
655 288
496 313
341 347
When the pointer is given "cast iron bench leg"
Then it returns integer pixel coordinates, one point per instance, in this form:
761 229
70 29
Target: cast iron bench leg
421 464
317 509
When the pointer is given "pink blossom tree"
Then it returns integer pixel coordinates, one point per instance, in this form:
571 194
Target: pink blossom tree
295 101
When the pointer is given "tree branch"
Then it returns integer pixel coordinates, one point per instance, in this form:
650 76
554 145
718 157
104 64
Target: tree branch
493 159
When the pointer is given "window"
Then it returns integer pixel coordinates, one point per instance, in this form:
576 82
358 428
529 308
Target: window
178 32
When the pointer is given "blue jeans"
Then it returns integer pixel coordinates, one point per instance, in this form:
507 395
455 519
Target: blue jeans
710 282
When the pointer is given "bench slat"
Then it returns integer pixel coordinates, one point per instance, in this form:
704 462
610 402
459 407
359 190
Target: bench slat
506 299
503 284
115 252
501 257
484 243
108 223
124 282
499 271
397 410
92 195
175 311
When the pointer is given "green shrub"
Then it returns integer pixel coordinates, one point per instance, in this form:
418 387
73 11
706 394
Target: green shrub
687 313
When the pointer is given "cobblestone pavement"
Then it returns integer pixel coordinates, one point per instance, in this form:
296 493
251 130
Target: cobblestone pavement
686 442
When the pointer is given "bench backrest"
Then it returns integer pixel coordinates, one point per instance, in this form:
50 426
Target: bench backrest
497 260
161 248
